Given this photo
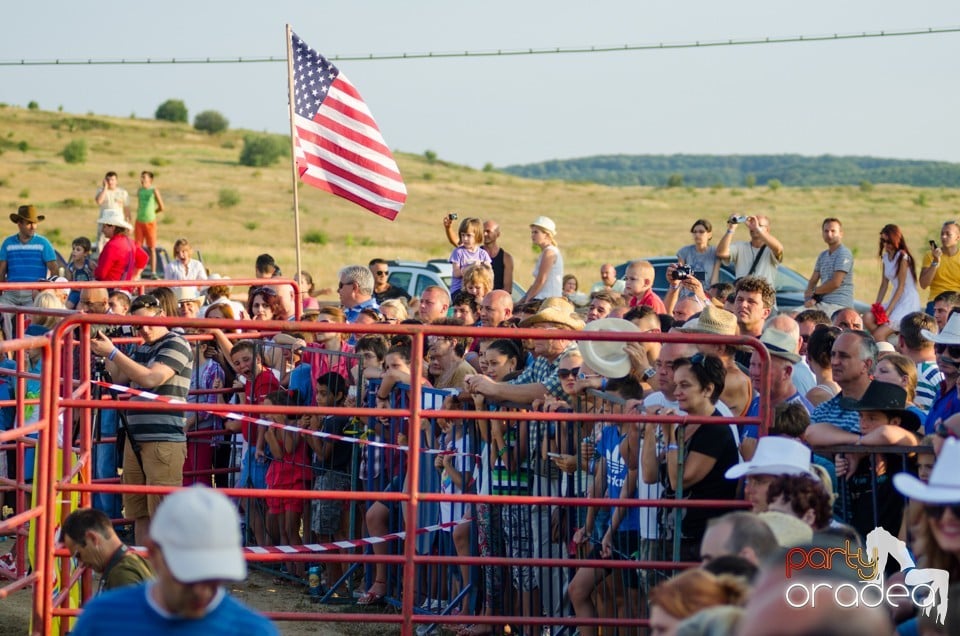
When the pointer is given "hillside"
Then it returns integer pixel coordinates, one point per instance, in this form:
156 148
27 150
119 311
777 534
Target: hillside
740 170
596 223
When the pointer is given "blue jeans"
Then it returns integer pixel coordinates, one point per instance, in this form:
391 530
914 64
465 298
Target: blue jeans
105 464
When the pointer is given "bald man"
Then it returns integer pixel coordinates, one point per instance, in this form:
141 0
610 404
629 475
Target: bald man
496 307
803 378
760 256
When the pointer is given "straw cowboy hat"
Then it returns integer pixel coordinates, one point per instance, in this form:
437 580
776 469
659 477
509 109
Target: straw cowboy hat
545 223
950 334
608 358
712 320
26 213
188 294
114 218
556 317
944 484
775 456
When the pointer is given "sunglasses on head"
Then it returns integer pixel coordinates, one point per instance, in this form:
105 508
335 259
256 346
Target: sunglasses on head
951 350
263 291
935 511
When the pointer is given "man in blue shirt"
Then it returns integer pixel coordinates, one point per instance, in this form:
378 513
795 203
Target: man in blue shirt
194 547
25 257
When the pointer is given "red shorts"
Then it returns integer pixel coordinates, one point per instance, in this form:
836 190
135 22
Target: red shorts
145 233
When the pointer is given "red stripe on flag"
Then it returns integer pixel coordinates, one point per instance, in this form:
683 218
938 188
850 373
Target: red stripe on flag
353 157
374 188
322 120
318 182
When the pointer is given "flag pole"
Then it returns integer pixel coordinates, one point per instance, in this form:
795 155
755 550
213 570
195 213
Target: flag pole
293 155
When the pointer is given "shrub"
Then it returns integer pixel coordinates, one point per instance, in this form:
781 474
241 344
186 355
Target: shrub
75 151
210 121
430 156
24 194
33 106
159 162
251 225
262 150
675 181
488 167
315 237
23 146
866 186
750 180
774 184
172 110
228 198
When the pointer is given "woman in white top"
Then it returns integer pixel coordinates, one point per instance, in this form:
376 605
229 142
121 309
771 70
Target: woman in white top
900 276
184 266
548 272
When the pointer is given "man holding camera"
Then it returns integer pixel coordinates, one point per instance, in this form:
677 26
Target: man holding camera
156 443
760 256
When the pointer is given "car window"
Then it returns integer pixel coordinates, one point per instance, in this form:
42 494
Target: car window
401 280
790 281
422 283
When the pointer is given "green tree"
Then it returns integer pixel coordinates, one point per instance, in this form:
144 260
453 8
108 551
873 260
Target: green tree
210 121
774 184
172 110
750 180
33 105
430 156
262 150
75 151
675 181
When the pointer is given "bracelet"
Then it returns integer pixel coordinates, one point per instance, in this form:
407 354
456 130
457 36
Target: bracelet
380 397
113 354
730 230
672 447
934 263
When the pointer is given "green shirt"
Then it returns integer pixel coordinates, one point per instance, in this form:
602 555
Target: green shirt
129 569
146 205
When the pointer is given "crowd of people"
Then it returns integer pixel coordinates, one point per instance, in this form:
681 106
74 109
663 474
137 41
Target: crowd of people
858 400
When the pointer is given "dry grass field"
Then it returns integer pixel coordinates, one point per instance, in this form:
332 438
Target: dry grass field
596 223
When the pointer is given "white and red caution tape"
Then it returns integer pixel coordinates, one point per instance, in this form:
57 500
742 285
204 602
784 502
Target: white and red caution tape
284 427
345 545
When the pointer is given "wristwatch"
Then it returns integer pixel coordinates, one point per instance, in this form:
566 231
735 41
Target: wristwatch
649 373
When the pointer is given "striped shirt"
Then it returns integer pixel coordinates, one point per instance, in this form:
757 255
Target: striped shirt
832 413
544 372
928 381
26 262
163 426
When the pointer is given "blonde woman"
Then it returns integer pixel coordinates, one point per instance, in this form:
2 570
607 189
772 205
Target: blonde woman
394 310
548 272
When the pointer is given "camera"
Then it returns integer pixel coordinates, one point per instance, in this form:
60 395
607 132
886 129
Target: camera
453 216
681 272
737 219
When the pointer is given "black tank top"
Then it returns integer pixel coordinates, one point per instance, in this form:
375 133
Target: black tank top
497 264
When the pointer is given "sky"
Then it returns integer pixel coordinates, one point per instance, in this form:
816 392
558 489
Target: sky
891 97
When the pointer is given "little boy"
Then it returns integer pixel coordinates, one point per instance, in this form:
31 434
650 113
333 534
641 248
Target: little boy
149 204
80 267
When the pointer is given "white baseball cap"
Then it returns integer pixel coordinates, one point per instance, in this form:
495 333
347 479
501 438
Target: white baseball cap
198 531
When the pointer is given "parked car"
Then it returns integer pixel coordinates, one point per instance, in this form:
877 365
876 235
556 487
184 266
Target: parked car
413 277
790 283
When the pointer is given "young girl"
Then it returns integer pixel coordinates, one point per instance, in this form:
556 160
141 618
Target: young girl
548 272
900 275
469 251
206 376
288 471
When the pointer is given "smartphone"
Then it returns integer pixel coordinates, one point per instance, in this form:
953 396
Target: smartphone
933 245
554 455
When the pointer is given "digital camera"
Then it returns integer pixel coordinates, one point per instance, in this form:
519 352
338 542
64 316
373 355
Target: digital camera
681 272
737 219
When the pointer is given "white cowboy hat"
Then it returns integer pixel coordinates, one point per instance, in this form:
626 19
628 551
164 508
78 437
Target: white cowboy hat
950 334
780 344
608 358
944 484
114 217
775 456
187 294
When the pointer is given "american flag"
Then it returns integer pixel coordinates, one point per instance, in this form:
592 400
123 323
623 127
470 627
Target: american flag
338 145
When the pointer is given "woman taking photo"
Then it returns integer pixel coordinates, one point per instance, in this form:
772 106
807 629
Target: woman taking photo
709 449
548 272
900 277
700 256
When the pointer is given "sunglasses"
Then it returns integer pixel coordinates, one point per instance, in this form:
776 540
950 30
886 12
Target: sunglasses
263 291
952 351
935 511
342 285
563 374
381 273
145 301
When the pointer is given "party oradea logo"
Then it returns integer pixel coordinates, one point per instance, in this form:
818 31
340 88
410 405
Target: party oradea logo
926 588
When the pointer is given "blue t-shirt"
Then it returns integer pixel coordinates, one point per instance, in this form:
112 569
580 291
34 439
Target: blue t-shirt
944 405
609 449
840 261
26 262
832 413
130 610
753 430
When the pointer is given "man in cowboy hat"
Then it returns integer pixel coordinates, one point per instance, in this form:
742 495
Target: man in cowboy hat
120 258
946 403
540 377
25 257
783 358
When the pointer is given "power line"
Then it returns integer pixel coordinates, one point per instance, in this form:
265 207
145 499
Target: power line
697 44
